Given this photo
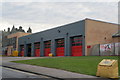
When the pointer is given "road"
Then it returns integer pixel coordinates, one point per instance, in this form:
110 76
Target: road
11 73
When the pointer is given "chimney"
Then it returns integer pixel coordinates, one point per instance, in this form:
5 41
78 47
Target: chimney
8 29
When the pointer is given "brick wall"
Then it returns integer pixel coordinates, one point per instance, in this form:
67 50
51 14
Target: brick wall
98 32
17 35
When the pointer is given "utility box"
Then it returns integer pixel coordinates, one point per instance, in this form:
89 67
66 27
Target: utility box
50 55
108 68
15 53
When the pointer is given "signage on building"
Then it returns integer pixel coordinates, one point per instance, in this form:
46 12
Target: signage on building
106 47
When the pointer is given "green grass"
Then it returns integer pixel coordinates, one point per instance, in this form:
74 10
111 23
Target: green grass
84 64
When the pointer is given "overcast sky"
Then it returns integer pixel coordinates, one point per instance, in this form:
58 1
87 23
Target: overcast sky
45 15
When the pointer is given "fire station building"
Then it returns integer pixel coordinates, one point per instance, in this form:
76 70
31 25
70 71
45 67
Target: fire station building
73 39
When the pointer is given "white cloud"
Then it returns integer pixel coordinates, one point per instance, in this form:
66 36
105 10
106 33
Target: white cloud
41 16
59 0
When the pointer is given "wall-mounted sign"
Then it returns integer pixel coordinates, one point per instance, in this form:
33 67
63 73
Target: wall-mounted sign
106 47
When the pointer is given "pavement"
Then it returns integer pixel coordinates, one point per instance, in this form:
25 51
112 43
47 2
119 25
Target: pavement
43 70
12 73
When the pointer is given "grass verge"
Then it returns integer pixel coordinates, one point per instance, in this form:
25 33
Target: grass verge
84 64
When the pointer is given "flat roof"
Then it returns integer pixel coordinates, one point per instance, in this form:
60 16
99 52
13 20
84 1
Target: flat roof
73 23
116 34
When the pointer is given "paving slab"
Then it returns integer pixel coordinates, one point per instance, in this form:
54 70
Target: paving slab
7 59
48 71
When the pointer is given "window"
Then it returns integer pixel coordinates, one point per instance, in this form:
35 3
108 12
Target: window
37 45
76 41
47 44
60 43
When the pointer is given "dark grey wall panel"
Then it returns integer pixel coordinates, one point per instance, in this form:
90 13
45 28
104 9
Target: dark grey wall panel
65 31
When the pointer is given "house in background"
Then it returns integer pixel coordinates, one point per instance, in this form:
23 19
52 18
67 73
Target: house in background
10 39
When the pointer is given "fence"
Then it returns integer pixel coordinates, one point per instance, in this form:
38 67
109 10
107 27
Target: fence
105 49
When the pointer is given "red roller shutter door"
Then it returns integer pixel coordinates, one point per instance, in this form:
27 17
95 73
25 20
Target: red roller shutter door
47 48
76 46
60 47
22 51
37 49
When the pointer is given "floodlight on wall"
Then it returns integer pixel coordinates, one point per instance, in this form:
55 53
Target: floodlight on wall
84 36
41 38
67 34
105 38
58 31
